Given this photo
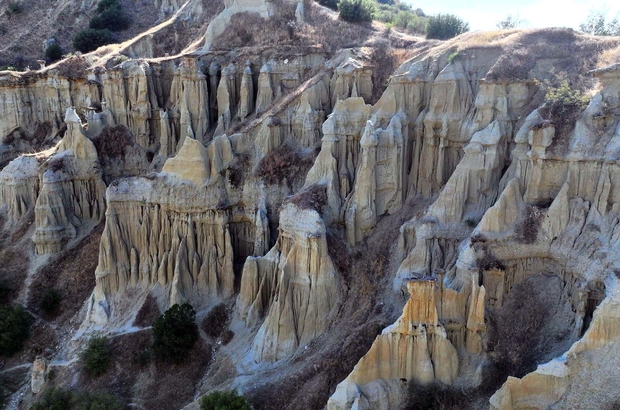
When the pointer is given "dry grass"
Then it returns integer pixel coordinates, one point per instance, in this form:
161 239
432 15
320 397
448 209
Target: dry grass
609 57
73 68
71 273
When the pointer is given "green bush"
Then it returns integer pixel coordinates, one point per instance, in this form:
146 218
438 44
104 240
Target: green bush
356 11
104 5
53 52
445 26
14 8
564 96
97 356
59 399
112 19
332 4
5 287
53 399
91 39
50 301
101 401
174 333
219 400
14 329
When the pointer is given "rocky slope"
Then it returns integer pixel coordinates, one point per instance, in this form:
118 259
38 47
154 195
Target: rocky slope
455 237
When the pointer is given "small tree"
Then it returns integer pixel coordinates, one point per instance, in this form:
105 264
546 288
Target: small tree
174 333
91 39
332 4
509 22
356 11
104 5
50 302
219 400
445 26
53 52
14 7
112 19
597 24
14 329
53 399
96 358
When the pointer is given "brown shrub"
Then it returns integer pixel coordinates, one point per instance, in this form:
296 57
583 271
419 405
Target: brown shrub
339 253
514 332
112 141
227 336
283 165
237 170
436 396
148 313
527 230
73 68
384 63
215 322
313 197
488 261
55 164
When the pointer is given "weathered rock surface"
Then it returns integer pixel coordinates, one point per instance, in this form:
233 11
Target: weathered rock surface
294 287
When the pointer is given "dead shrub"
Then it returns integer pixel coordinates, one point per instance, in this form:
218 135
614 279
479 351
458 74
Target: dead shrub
112 141
487 261
237 170
514 332
56 164
227 336
281 165
313 197
73 68
384 64
436 396
215 322
339 253
527 230
148 313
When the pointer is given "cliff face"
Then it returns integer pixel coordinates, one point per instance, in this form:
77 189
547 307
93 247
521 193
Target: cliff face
259 178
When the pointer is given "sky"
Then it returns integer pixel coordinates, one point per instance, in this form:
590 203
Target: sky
484 14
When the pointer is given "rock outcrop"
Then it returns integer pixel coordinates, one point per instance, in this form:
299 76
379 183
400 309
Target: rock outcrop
294 287
72 194
416 348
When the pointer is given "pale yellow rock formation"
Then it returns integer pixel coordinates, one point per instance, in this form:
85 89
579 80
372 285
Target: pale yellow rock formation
127 91
294 287
188 96
37 379
19 186
168 233
72 195
415 348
